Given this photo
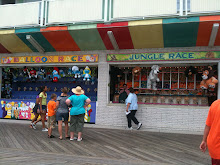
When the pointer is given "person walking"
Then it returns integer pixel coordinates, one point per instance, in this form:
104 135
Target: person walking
51 115
43 106
36 111
62 112
211 137
79 101
131 109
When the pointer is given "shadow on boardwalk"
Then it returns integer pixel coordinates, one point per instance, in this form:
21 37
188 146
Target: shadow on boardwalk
20 144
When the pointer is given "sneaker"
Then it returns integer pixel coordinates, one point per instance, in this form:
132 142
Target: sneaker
33 126
75 138
129 128
44 129
71 139
79 140
139 126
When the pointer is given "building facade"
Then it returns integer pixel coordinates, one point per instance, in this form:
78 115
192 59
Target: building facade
112 37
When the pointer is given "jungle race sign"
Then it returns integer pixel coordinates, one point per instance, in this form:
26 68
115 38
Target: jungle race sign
50 59
172 56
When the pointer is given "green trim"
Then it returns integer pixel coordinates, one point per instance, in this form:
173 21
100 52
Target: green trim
103 9
47 11
112 9
108 10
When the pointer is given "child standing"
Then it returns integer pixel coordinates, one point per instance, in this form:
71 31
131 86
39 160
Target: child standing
51 114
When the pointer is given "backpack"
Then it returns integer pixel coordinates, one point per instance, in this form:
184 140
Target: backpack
122 97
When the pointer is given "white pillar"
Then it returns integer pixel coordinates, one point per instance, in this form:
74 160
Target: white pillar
42 13
181 8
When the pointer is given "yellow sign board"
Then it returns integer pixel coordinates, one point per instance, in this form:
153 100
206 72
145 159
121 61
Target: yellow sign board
50 59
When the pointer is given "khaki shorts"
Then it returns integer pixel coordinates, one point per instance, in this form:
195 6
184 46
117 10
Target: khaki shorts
51 121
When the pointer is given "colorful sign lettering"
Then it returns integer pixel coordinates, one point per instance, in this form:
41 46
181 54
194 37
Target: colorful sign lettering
50 59
172 56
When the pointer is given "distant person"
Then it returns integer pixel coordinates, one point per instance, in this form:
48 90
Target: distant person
36 111
51 115
123 94
131 109
79 101
43 106
62 112
211 137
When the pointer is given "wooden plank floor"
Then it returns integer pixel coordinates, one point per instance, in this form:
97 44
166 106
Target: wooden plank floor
20 144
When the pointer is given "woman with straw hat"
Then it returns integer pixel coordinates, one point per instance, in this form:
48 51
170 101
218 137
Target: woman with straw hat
79 101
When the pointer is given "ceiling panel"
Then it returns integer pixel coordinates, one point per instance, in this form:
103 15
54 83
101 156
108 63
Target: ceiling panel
180 32
205 29
60 38
3 50
12 42
87 37
146 34
36 34
121 33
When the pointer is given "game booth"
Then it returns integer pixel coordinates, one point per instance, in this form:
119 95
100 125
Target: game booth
22 77
177 78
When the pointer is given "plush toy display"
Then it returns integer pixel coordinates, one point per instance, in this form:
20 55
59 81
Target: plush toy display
62 73
33 74
76 72
86 74
69 71
136 71
42 73
26 71
190 71
56 75
209 80
153 77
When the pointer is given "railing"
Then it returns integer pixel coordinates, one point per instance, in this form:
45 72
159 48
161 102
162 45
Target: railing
204 6
72 11
20 15
48 12
136 9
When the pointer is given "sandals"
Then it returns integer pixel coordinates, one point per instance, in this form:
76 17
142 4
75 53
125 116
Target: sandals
67 137
60 138
51 136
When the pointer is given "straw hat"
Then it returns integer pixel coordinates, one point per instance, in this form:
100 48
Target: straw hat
78 90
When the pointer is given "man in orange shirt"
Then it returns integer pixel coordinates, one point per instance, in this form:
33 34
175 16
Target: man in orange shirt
211 137
51 106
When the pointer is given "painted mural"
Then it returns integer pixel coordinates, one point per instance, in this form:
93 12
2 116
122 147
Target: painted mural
21 109
17 109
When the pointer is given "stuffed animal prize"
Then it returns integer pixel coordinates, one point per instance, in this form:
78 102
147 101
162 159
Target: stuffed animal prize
76 72
86 74
56 75
153 77
209 80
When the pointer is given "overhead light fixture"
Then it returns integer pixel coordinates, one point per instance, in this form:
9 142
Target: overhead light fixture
35 43
112 39
213 34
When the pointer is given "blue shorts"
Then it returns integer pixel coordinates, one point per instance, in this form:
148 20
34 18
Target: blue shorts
44 108
61 116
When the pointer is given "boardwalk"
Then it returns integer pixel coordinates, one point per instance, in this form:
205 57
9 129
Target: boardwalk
21 145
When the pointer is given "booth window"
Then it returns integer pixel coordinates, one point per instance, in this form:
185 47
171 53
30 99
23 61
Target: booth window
177 85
